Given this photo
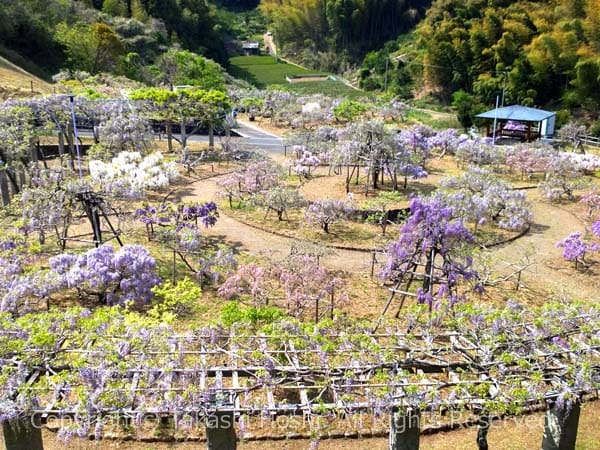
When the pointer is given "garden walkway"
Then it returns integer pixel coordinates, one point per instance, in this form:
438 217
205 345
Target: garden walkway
550 272
551 224
260 242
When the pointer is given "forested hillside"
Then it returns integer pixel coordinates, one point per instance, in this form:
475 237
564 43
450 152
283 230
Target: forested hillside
540 52
544 51
333 34
119 36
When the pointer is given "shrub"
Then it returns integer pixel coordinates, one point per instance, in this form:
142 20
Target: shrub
179 299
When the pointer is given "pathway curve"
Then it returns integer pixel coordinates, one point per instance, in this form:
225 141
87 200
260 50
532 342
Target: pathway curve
259 242
550 272
551 224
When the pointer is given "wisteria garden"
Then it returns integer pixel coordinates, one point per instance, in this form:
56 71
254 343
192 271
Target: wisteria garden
366 277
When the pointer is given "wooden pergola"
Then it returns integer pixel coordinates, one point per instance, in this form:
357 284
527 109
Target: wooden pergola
221 378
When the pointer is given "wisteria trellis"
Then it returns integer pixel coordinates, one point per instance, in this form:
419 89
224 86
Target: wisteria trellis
89 366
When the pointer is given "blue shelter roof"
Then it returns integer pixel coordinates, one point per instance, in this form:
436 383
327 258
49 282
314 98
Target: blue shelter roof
517 112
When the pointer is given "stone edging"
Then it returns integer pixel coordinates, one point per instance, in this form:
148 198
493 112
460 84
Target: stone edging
509 240
368 250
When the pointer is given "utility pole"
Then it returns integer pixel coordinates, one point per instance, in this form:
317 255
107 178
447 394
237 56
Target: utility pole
75 135
385 80
504 77
495 121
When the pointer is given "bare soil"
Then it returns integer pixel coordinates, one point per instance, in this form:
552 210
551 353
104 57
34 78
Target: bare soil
521 433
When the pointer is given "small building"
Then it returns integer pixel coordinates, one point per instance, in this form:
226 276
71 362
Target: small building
519 122
250 48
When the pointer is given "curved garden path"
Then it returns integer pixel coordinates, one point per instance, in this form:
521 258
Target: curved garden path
549 273
552 223
259 242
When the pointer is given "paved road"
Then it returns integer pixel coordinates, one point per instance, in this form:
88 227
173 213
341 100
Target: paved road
253 136
250 135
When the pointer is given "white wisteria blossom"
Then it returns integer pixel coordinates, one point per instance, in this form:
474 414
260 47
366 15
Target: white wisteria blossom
131 175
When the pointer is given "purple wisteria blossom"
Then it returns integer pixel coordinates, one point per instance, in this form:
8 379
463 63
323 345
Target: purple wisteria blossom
575 249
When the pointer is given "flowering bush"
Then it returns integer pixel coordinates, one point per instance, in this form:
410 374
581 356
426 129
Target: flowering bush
303 165
299 278
528 159
447 141
20 289
563 177
575 249
327 211
432 231
177 228
130 175
592 201
116 277
256 177
478 196
278 200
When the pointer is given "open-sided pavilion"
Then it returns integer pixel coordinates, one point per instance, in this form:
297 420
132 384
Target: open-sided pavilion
519 122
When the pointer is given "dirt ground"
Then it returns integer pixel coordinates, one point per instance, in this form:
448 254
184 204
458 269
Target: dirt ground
521 433
16 82
549 275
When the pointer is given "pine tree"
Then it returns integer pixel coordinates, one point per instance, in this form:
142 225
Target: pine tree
138 12
115 7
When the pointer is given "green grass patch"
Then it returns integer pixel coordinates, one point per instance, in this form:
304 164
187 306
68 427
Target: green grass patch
414 116
263 71
266 72
332 88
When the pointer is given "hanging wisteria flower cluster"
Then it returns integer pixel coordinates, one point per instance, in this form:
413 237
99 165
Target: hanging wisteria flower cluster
479 196
177 224
131 175
124 276
432 239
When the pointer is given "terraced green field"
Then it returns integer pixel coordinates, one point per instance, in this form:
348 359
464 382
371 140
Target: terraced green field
264 72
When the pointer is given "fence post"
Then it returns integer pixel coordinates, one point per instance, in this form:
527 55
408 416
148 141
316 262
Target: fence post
4 188
220 431
404 429
23 434
560 427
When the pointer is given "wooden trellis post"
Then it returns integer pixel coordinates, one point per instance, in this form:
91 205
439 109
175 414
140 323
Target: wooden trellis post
404 429
220 431
482 431
22 177
22 434
560 427
4 188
